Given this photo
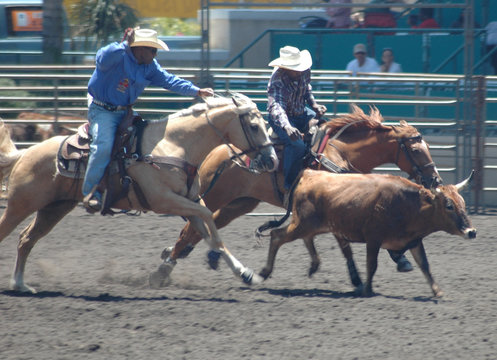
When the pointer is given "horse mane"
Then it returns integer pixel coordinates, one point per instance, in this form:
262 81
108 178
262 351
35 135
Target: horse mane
243 105
358 120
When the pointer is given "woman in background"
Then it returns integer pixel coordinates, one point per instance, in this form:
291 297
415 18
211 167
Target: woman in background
387 62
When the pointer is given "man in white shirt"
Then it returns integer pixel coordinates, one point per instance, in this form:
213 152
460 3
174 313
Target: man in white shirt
362 63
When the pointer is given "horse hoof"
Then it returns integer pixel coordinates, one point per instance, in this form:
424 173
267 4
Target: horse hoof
166 252
249 277
23 288
213 259
157 280
160 278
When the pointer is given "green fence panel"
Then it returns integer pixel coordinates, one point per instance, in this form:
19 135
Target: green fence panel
444 45
407 50
329 51
338 50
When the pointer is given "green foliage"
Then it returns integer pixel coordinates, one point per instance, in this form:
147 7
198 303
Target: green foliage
103 19
172 26
9 83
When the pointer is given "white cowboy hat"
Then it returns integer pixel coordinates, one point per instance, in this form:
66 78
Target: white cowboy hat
293 59
148 37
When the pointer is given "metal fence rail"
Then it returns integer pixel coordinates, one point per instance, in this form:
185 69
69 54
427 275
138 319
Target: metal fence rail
431 103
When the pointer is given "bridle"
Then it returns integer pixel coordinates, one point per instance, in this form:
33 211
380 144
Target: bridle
245 125
427 182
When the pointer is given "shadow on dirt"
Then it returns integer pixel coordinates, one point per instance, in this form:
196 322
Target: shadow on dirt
324 293
109 298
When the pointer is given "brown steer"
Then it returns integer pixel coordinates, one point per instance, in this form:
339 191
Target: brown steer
379 210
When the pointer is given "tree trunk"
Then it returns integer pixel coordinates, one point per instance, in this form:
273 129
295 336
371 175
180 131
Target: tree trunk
53 31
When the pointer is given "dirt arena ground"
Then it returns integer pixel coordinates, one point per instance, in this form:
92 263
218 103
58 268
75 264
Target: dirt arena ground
94 301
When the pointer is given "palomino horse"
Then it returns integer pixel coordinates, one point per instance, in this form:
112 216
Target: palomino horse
35 185
358 143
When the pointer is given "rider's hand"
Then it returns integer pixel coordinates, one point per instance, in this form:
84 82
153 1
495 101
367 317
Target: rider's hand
292 132
129 35
205 92
319 109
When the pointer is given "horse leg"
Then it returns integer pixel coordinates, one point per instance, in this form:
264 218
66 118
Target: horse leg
227 214
173 203
347 253
419 254
315 260
189 237
41 225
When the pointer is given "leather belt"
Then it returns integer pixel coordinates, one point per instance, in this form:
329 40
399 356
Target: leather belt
109 107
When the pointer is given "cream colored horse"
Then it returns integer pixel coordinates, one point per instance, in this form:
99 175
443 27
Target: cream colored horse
35 185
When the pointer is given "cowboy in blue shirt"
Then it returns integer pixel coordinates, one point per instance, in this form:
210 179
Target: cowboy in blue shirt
291 106
122 72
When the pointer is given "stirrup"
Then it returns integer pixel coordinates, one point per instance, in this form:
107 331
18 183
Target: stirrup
93 202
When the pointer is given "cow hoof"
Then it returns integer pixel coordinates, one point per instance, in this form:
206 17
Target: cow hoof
314 268
249 277
363 291
403 265
264 273
213 259
437 292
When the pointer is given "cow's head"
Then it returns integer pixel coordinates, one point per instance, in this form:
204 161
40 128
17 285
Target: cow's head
451 210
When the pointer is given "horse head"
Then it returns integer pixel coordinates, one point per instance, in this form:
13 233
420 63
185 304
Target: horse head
414 156
259 146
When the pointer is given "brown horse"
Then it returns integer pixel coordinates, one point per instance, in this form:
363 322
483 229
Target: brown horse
35 185
358 143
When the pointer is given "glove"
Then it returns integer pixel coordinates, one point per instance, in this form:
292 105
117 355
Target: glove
319 109
129 35
292 132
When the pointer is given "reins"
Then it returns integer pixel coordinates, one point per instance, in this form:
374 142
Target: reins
418 169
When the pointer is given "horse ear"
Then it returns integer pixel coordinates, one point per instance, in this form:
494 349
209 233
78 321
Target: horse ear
403 123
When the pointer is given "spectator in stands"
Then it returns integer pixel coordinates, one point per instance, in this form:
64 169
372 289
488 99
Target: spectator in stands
491 43
413 20
459 22
362 63
427 20
339 18
388 63
379 17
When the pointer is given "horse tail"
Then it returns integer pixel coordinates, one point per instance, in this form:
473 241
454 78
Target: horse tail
9 154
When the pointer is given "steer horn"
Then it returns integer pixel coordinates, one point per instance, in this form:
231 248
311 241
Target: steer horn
462 185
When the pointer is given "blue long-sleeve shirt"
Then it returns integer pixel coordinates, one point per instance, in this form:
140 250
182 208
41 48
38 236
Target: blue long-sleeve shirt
118 79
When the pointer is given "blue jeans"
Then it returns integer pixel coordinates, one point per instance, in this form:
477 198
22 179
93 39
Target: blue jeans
103 127
294 150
